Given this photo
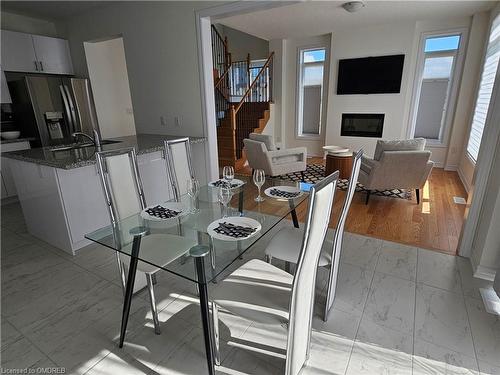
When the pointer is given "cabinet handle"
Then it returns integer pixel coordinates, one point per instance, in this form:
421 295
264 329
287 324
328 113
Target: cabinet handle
41 66
36 66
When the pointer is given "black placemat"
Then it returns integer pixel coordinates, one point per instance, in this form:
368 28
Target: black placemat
284 194
162 212
223 183
235 231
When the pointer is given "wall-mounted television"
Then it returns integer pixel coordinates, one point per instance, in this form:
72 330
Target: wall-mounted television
370 75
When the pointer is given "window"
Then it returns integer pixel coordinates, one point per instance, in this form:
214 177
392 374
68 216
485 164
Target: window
310 91
485 91
439 57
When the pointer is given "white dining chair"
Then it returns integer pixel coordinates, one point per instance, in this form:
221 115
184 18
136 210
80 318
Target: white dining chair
179 164
285 244
262 292
125 197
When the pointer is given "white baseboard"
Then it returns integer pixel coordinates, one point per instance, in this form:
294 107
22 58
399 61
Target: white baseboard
482 272
438 164
453 168
463 179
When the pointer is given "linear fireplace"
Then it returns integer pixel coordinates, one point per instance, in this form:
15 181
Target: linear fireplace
362 125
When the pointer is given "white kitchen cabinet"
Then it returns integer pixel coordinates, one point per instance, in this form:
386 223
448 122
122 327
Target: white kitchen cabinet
52 54
18 54
23 52
7 178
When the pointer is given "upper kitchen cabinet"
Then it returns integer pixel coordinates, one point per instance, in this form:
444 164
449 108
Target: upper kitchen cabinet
18 54
35 53
52 54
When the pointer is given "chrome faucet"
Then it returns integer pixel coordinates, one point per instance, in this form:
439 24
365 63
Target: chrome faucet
96 140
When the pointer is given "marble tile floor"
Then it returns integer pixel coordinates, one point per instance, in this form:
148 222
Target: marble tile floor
399 310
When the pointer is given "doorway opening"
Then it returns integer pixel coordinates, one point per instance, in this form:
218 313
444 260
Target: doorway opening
108 75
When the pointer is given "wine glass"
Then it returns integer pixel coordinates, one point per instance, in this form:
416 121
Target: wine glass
228 173
225 195
259 177
193 189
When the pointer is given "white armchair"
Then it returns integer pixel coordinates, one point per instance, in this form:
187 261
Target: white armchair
261 153
396 164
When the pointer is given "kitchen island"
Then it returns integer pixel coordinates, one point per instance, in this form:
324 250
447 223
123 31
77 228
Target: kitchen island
60 189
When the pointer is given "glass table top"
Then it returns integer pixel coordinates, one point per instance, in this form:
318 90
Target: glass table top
166 243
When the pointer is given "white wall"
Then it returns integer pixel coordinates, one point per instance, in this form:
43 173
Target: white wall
486 245
110 87
467 97
25 24
483 218
240 44
289 93
395 38
404 38
161 54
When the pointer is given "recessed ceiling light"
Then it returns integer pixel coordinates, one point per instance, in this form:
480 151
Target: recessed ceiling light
353 6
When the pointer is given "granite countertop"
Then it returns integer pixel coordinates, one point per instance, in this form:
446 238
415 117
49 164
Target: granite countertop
3 141
83 156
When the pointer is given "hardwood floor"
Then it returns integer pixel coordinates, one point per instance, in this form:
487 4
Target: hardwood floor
434 224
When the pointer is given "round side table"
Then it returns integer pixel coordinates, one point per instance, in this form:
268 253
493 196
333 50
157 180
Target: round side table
341 162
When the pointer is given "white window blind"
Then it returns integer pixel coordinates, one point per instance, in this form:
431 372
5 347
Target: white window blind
485 90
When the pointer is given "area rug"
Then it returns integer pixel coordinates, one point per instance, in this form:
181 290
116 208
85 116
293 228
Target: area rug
316 172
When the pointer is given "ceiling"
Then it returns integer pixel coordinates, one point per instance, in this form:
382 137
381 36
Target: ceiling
50 10
320 17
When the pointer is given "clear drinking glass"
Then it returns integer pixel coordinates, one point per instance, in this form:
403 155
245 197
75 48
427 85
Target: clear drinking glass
193 189
259 177
228 173
225 195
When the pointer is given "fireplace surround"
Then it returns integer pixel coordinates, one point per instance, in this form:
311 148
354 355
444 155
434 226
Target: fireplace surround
362 125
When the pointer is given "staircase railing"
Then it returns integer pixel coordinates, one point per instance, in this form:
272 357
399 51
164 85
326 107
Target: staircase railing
243 119
221 60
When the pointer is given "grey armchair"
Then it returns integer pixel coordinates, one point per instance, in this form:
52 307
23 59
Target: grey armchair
262 154
396 164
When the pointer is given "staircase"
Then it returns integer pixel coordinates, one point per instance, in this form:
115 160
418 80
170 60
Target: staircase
243 93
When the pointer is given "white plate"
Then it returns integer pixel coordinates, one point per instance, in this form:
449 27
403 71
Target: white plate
177 206
235 220
335 149
288 189
233 181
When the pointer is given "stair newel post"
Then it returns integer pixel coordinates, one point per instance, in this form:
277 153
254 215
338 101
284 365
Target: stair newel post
249 82
271 74
232 114
227 57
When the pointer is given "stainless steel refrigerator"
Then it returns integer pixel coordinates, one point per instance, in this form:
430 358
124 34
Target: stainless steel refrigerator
51 108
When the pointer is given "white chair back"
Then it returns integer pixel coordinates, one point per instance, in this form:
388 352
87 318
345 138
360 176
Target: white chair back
339 233
121 183
179 165
302 300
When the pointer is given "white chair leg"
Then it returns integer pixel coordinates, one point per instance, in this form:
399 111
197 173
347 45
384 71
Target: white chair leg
215 323
149 279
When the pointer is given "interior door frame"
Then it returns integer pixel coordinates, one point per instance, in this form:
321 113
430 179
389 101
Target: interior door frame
204 18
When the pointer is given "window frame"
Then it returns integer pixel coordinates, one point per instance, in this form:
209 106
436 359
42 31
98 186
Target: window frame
299 91
457 69
495 22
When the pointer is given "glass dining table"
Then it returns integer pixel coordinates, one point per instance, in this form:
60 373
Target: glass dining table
206 256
